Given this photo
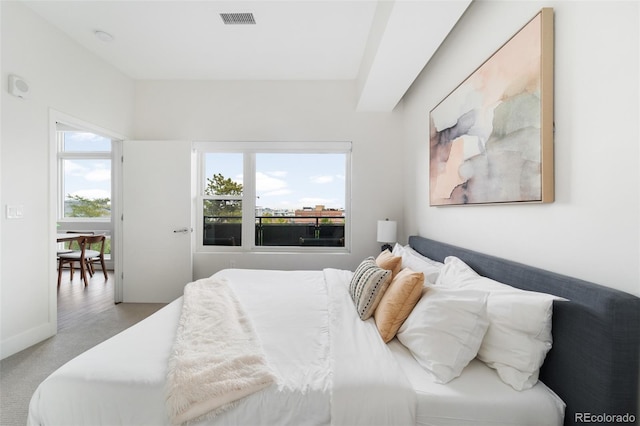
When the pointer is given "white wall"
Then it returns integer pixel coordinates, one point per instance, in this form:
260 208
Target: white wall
66 78
592 229
284 111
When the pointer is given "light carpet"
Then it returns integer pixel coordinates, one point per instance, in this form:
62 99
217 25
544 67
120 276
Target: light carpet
21 373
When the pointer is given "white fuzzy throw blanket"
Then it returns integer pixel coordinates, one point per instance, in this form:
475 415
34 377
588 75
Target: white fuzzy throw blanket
216 358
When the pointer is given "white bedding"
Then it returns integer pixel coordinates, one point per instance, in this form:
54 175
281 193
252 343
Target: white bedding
217 358
331 368
477 398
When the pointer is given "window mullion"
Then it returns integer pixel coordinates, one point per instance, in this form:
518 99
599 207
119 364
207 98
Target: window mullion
222 197
201 174
85 155
200 199
249 200
61 195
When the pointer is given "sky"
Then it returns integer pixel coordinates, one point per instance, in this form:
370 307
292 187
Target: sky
283 181
288 181
87 178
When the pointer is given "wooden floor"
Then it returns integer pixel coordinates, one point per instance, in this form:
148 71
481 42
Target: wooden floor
77 302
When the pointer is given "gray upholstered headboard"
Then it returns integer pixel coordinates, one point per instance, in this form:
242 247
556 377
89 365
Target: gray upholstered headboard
594 362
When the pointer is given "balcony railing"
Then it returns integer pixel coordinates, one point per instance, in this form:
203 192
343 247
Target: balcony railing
318 231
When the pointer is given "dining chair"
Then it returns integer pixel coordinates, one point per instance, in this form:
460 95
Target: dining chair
70 247
94 253
85 257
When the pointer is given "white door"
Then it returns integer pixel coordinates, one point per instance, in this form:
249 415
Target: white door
156 226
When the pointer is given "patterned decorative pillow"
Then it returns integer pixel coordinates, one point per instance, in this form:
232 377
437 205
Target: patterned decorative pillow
367 286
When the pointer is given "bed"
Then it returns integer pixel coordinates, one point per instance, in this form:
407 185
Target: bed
594 363
331 367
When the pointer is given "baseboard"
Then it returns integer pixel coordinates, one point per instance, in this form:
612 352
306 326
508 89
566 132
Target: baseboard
22 341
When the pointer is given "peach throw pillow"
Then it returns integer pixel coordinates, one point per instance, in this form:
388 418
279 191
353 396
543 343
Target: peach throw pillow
397 302
388 261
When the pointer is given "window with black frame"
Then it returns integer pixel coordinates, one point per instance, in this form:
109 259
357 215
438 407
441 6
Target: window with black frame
259 198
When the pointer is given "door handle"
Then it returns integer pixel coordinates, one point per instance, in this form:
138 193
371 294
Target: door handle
182 231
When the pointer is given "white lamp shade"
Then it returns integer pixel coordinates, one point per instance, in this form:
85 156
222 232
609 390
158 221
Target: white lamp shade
387 231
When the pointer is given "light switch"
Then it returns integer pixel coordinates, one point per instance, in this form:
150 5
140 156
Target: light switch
15 212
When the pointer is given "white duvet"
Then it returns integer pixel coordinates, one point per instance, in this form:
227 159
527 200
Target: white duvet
331 368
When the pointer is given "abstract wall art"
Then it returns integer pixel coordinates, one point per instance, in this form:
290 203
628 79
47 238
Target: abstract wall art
491 139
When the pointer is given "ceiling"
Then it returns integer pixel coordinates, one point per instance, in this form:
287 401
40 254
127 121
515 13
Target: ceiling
382 45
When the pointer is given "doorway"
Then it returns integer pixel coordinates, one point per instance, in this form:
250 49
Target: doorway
85 187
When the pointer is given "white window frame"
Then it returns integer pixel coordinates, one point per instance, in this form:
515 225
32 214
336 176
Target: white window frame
250 149
80 155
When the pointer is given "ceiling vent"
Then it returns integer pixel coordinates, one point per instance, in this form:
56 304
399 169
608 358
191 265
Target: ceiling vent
238 18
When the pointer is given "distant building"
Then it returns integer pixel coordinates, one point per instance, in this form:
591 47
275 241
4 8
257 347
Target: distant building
313 214
266 211
321 212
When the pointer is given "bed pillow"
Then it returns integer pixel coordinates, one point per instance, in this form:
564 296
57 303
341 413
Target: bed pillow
419 263
397 302
519 334
397 250
367 286
388 261
445 330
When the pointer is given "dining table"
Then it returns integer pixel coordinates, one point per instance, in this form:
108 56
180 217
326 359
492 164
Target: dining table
71 236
